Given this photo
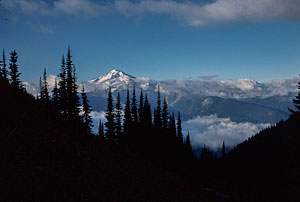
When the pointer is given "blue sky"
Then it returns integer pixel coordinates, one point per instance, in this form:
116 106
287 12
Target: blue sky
162 39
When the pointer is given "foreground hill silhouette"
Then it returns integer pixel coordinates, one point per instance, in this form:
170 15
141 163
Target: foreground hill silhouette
266 167
44 157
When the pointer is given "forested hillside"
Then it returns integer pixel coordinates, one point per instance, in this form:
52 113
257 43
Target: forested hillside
45 157
49 153
266 167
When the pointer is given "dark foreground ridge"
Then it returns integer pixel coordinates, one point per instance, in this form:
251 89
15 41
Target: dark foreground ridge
266 167
43 157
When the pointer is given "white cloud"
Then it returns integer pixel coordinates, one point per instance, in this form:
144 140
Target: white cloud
41 7
29 7
212 131
234 89
98 115
220 11
78 7
194 14
208 77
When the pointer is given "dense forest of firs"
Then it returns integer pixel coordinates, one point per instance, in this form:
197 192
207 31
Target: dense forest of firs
48 151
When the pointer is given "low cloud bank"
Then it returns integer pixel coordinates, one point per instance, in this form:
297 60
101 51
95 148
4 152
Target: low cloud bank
97 116
212 131
209 130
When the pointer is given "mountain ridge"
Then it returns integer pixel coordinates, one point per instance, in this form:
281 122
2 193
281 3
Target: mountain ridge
274 96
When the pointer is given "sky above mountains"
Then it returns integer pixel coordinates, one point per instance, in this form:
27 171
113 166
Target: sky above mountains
162 39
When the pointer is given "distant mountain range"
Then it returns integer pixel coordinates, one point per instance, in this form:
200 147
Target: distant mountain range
241 100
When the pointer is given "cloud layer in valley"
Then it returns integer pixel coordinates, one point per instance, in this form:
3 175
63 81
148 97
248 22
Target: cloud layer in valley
212 131
209 130
194 14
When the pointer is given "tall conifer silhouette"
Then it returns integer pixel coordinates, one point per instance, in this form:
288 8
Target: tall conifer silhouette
188 145
1 64
147 114
14 72
62 88
157 111
4 69
45 92
118 123
223 150
86 117
296 102
173 125
101 130
110 119
75 97
72 99
141 109
127 116
41 97
165 115
55 96
179 129
134 112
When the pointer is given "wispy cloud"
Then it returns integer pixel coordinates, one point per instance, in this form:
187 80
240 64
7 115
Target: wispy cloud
220 11
194 14
28 7
208 77
79 7
66 7
212 131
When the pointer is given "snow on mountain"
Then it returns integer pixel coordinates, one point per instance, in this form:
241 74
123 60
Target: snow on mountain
175 90
118 80
229 89
34 88
115 76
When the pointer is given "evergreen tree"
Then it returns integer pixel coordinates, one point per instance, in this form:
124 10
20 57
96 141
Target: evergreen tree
118 123
4 70
41 97
147 114
134 113
127 116
110 117
206 155
69 86
101 130
14 72
179 129
76 100
44 92
1 76
86 117
188 145
141 109
157 111
223 150
55 96
62 88
165 115
173 125
72 101
296 102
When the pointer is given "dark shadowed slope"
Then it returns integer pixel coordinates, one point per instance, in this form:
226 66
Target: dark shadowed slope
266 167
45 158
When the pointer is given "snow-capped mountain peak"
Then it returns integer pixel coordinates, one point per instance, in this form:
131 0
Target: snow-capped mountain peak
115 79
113 75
